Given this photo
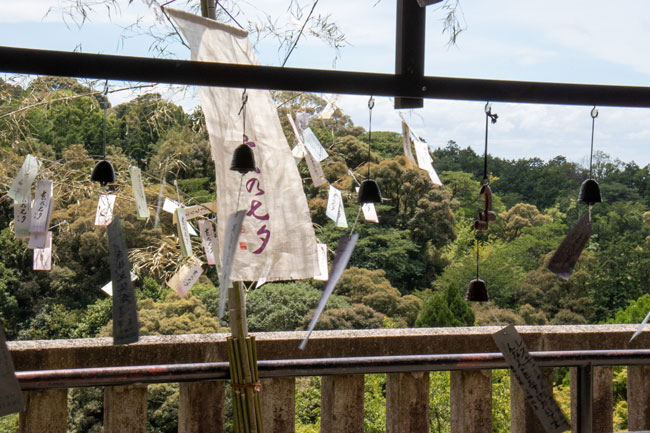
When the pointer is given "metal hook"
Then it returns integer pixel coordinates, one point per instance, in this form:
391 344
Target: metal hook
488 112
594 112
371 103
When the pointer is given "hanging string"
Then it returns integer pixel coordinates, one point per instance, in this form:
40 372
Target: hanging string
493 117
229 15
371 105
105 106
242 112
594 114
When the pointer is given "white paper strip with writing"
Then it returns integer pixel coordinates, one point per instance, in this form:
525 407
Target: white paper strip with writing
315 170
424 157
186 277
230 243
313 145
11 395
183 233
369 211
198 210
37 240
532 381
335 209
407 143
138 193
322 263
43 256
104 213
278 225
125 314
341 259
208 238
22 218
170 205
21 187
42 207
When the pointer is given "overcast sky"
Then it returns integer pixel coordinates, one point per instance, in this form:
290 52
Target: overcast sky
592 42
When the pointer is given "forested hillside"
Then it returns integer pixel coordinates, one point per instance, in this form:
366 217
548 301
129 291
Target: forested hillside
410 269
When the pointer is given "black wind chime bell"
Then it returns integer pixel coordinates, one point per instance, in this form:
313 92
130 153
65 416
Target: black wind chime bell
477 289
104 173
369 190
589 190
243 159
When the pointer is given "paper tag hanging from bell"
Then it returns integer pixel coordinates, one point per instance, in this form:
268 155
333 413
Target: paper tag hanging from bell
183 233
335 209
43 256
21 187
321 251
104 214
11 395
125 314
138 192
186 277
369 211
42 208
22 218
208 238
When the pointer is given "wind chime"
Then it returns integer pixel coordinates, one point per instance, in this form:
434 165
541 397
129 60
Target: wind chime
567 254
369 190
104 173
477 290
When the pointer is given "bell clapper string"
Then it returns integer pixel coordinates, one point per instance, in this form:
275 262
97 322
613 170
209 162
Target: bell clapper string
105 93
594 114
371 105
242 112
355 220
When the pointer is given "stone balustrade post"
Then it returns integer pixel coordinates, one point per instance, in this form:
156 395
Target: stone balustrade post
471 401
602 420
125 409
407 402
278 402
201 407
638 403
342 403
45 412
522 416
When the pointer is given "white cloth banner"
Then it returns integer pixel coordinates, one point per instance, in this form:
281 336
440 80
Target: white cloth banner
423 156
277 227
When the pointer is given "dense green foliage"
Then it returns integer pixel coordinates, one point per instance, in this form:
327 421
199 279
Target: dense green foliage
410 269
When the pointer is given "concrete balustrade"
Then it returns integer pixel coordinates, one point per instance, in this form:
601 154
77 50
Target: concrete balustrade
201 404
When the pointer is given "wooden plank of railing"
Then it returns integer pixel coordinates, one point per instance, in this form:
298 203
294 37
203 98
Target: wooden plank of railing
45 412
278 401
471 401
125 409
638 403
201 407
342 403
407 402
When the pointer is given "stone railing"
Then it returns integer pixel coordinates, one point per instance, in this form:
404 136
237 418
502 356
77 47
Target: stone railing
201 405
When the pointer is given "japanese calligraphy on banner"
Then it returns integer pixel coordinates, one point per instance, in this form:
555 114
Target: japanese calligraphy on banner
125 315
43 256
104 214
533 383
22 218
186 277
208 238
42 208
335 209
138 192
20 189
278 226
11 396
423 156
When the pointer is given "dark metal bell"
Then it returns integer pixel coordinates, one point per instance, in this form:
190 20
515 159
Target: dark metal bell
589 192
369 192
477 291
243 159
103 173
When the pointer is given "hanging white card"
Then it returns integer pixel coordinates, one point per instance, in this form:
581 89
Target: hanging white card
327 112
313 145
230 242
108 287
138 192
321 250
208 238
183 233
22 219
536 388
407 143
424 160
170 205
125 314
198 210
315 170
42 208
186 277
21 187
341 259
302 119
104 214
369 211
43 256
335 209
11 395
